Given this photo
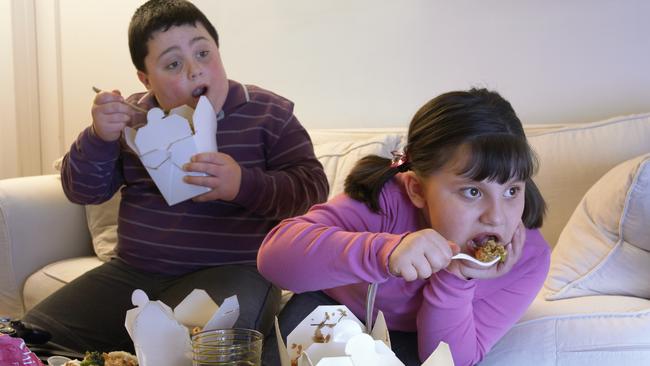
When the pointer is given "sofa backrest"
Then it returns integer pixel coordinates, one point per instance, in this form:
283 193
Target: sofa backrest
572 157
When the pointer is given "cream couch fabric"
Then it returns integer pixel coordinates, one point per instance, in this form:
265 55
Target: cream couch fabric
45 240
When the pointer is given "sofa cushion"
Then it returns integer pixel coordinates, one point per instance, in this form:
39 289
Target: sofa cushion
339 157
102 223
573 157
605 246
52 277
592 330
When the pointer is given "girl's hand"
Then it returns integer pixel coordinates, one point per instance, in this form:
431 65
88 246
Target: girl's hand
420 254
466 269
224 176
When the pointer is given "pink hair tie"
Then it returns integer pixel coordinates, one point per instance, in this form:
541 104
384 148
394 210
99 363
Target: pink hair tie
399 159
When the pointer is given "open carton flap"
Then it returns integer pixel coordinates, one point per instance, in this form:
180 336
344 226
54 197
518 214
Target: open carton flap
159 335
332 335
166 143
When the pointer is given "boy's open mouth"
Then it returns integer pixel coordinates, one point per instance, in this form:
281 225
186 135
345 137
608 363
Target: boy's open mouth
201 90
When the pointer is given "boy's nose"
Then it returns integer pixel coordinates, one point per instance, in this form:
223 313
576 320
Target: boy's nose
195 71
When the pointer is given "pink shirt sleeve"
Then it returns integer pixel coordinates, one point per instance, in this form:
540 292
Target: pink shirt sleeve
335 244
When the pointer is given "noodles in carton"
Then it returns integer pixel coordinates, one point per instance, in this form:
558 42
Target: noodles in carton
161 336
333 336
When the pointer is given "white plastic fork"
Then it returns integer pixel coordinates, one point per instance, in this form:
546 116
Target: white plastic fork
472 259
372 288
370 305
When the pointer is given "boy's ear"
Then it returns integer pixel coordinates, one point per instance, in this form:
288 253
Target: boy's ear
414 189
144 79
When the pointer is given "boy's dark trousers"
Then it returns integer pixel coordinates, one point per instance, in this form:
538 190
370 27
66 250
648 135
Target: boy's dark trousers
88 313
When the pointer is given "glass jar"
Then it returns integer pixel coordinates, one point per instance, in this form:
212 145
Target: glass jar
227 347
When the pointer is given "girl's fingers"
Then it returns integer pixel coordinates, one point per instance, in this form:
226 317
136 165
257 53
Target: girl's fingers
423 268
408 273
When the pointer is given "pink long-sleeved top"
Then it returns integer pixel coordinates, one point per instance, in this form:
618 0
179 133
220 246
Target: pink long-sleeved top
341 246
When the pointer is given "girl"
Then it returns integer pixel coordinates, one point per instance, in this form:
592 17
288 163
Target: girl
464 177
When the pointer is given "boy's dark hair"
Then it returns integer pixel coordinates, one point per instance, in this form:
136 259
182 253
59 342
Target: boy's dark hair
478 119
160 15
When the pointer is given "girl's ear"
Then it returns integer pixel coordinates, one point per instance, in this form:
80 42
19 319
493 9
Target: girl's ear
415 189
144 79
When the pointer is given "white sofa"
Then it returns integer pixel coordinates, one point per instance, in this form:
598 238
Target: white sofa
45 241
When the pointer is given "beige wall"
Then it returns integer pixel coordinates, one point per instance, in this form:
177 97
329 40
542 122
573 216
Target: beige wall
365 63
8 147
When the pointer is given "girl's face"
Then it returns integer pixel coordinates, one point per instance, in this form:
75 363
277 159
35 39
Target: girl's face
182 64
467 211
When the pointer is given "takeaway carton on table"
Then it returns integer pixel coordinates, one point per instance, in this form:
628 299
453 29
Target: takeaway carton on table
161 336
332 336
166 143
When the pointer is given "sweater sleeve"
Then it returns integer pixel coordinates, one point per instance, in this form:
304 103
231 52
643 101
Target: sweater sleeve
293 180
334 244
90 172
471 323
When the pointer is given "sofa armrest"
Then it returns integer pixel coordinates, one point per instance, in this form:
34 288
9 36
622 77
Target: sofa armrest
38 226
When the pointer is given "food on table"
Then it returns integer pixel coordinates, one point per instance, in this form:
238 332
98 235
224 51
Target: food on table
116 358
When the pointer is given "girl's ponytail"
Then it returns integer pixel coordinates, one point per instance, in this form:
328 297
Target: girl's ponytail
367 178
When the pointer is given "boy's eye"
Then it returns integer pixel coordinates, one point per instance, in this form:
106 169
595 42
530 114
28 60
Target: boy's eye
172 65
203 54
471 192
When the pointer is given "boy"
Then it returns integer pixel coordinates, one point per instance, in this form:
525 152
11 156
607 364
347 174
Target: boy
265 170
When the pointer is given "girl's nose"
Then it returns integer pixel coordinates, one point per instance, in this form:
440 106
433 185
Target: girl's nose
493 215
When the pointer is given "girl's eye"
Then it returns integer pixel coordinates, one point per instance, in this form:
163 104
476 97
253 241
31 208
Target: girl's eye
203 54
471 192
512 191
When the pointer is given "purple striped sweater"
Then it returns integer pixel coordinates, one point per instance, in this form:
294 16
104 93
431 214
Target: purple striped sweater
281 178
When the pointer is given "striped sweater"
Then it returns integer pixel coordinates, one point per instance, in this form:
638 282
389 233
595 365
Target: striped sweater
281 178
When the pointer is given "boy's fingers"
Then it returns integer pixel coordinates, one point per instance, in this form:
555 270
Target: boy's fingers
209 157
115 107
106 97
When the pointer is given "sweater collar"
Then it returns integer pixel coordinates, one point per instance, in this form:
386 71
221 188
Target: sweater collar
237 96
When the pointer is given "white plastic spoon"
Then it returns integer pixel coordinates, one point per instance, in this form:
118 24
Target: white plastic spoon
472 259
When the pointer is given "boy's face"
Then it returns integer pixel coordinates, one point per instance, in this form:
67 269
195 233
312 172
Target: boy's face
182 64
469 212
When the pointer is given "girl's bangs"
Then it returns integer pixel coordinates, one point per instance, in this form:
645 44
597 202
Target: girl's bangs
498 158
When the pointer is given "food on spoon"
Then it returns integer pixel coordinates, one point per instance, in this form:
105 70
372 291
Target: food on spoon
491 250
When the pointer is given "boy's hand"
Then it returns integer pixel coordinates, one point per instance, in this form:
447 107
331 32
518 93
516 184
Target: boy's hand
466 269
111 114
421 254
224 176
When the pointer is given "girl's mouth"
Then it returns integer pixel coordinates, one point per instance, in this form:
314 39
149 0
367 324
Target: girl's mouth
480 241
201 90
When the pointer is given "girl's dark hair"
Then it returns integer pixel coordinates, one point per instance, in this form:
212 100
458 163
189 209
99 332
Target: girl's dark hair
160 15
479 119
